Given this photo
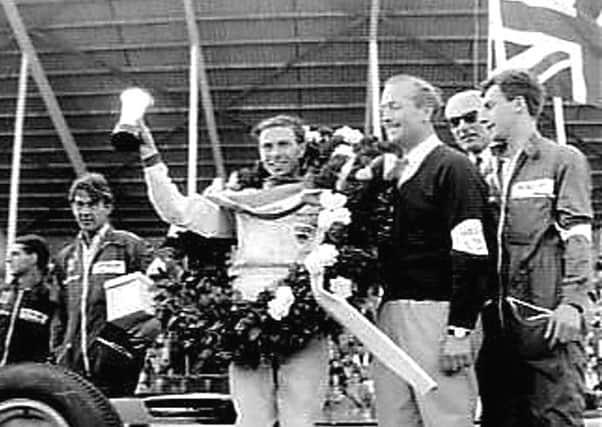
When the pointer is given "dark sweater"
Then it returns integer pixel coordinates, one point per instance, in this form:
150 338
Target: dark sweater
419 262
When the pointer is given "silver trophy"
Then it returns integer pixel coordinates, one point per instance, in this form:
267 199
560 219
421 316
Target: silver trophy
126 134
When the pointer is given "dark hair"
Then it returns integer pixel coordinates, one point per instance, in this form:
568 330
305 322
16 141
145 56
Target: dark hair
34 244
282 120
426 94
514 83
95 184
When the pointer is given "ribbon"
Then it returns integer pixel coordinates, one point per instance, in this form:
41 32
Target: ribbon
379 344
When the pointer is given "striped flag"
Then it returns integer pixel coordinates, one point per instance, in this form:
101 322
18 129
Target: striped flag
558 40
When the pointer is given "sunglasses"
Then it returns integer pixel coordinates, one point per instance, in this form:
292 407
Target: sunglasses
469 118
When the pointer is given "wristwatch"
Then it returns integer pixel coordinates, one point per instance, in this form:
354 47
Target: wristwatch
458 332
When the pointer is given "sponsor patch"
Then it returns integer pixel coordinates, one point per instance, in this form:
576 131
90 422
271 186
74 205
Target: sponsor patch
468 237
109 267
543 187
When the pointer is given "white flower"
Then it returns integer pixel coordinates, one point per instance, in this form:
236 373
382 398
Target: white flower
343 150
280 305
233 181
350 135
332 201
156 267
328 217
311 135
322 256
341 286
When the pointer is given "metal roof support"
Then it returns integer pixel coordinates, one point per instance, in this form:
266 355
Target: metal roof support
37 71
197 55
15 170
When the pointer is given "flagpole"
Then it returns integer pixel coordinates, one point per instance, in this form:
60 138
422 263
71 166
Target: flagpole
372 99
498 58
475 44
559 120
193 116
13 205
489 40
204 87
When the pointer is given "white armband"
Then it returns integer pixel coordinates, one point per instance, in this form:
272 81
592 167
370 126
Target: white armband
584 230
468 237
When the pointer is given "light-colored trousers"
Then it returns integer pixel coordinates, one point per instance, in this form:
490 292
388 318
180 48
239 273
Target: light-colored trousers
294 394
418 328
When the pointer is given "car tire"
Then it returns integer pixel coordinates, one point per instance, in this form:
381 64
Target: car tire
53 394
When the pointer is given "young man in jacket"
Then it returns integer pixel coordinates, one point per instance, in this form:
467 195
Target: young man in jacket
109 355
532 363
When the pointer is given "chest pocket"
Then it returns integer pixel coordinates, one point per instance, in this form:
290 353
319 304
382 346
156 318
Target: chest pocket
530 206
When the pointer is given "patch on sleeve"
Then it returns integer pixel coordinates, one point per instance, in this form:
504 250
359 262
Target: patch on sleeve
109 267
584 230
543 187
468 237
33 316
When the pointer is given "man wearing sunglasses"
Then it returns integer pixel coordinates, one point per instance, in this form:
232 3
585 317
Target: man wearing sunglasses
467 125
462 115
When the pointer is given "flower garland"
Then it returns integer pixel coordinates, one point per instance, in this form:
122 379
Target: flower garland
213 321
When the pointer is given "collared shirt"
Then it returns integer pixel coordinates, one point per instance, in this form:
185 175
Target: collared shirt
485 162
415 157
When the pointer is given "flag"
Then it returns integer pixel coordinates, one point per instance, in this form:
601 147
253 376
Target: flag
560 41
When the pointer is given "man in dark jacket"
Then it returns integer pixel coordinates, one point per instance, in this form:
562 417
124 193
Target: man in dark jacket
532 363
25 303
109 355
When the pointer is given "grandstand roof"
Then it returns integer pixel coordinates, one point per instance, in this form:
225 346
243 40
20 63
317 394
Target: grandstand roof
263 57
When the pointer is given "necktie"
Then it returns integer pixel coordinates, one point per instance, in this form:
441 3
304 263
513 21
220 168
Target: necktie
500 172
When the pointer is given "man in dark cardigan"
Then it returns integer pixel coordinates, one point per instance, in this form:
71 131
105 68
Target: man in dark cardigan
433 264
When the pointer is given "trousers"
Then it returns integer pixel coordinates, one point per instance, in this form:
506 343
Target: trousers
291 392
418 328
524 383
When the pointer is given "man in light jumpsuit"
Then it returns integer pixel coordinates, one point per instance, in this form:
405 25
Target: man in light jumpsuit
292 392
531 372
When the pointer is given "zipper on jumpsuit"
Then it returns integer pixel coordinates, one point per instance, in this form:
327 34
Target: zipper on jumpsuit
11 326
515 163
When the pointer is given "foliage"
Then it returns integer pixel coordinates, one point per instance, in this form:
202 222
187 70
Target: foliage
213 324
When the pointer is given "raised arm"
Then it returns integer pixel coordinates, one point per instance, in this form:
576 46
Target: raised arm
195 212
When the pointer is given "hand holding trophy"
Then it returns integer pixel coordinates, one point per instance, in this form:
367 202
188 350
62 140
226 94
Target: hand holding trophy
126 134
